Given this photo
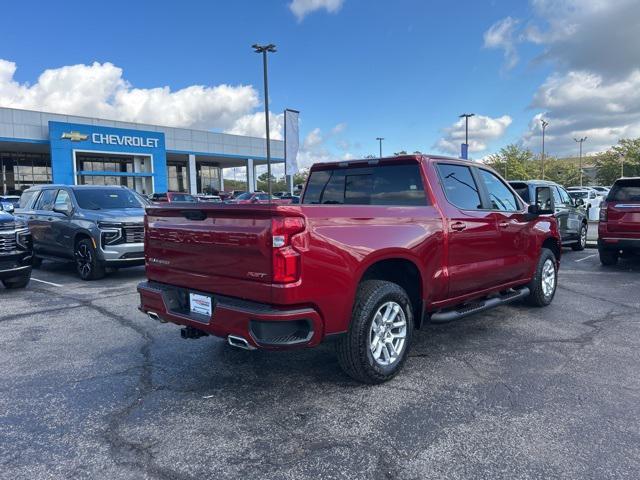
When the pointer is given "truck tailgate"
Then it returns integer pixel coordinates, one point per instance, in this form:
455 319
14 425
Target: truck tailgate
217 249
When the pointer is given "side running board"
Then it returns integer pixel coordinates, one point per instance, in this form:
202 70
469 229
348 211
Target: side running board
467 309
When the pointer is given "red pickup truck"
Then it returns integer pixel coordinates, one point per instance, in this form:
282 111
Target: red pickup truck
375 249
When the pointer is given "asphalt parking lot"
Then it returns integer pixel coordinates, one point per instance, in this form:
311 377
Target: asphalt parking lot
91 388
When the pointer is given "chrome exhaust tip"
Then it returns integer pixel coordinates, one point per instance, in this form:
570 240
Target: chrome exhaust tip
156 317
239 342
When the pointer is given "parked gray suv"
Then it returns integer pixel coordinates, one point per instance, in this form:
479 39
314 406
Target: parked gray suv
97 227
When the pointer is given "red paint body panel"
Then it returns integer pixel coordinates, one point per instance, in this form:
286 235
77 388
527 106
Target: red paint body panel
229 252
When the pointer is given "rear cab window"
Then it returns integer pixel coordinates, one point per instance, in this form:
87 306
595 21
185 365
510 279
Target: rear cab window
625 190
399 185
521 189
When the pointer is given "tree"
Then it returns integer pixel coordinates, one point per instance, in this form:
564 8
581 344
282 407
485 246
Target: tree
609 164
515 163
564 172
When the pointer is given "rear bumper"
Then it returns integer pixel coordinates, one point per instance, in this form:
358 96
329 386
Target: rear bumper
615 243
262 326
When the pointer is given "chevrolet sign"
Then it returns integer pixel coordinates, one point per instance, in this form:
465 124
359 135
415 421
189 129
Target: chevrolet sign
74 136
124 140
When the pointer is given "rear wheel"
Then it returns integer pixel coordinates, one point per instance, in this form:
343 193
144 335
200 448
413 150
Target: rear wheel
377 343
608 257
18 282
582 240
87 264
544 282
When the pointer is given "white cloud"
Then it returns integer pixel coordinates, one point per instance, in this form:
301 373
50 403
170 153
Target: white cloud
253 125
302 8
313 139
339 128
100 90
501 35
482 130
578 104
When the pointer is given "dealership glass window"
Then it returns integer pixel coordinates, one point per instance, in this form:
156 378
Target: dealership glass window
208 178
21 170
106 180
177 176
104 163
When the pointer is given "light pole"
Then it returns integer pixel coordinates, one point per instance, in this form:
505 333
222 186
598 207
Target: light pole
580 141
380 139
465 150
264 49
544 127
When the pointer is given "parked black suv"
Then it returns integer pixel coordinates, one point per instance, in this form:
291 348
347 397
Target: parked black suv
571 215
94 226
15 252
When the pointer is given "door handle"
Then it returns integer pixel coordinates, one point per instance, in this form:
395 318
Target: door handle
503 224
458 226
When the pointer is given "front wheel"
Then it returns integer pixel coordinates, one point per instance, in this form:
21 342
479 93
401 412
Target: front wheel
582 241
545 280
87 264
377 343
18 282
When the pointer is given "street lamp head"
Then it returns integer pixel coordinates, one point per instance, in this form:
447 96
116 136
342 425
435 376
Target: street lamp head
467 115
379 138
264 48
544 123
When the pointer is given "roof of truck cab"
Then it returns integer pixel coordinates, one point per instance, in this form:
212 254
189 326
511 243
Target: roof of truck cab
398 158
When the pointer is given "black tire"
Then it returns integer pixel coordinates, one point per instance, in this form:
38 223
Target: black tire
19 282
354 350
608 258
87 264
582 240
36 262
537 296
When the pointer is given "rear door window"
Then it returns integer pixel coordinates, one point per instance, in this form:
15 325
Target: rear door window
459 186
625 191
378 185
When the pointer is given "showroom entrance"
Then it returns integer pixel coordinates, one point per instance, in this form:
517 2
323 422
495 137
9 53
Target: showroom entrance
133 171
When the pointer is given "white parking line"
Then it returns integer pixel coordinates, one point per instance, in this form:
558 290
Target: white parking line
584 258
48 283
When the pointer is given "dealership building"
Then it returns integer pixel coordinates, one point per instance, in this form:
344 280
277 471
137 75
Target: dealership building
38 147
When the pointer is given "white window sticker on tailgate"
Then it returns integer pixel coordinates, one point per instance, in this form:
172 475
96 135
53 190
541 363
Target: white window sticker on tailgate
200 304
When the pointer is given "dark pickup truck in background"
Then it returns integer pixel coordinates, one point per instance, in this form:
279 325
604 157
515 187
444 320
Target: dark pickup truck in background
376 248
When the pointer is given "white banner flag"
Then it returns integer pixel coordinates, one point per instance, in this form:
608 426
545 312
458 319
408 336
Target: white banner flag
291 140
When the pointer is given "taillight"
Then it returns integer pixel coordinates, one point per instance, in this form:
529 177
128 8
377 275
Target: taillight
286 260
603 211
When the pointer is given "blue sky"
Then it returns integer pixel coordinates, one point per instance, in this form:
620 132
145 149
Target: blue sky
355 69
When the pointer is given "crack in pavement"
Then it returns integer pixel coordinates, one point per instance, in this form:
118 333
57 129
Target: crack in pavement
123 451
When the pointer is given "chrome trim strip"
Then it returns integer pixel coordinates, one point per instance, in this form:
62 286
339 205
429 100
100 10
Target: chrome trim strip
15 269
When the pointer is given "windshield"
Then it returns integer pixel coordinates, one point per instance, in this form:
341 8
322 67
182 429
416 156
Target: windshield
245 196
576 195
107 198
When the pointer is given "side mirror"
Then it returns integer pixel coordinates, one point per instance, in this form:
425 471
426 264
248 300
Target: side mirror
580 202
544 201
65 210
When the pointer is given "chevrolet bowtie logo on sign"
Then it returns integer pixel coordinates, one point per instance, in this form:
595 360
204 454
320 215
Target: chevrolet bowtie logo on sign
74 136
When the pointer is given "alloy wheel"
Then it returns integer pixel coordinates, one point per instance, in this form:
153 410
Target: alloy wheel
388 333
548 278
84 260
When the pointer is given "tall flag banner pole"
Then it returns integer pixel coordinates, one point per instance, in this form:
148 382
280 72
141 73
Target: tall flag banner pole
291 144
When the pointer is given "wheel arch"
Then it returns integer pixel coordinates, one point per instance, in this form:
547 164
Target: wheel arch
402 271
554 245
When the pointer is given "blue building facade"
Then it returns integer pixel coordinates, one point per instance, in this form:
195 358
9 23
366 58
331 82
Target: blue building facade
40 147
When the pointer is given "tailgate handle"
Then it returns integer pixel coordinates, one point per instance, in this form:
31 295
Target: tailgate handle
194 214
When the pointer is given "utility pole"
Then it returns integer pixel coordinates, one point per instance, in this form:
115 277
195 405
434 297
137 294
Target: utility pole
580 141
465 149
544 127
264 49
380 139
